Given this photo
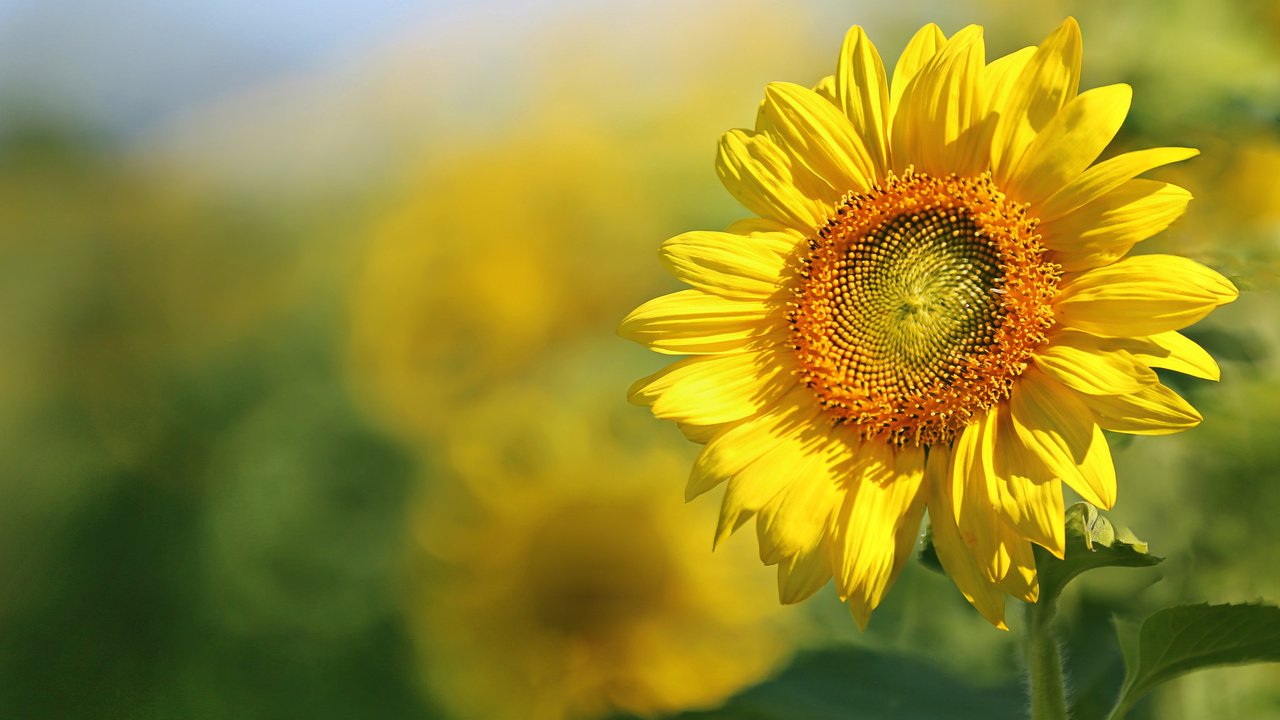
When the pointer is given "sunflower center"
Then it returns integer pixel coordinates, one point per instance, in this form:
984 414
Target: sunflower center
918 304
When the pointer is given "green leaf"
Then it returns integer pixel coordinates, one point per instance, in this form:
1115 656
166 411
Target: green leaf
1092 542
845 682
1181 639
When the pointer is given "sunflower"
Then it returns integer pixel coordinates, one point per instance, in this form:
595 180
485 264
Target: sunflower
532 597
933 308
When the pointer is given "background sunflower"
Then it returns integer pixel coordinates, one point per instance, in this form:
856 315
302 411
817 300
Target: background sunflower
228 374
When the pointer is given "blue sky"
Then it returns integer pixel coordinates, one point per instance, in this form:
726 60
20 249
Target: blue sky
127 65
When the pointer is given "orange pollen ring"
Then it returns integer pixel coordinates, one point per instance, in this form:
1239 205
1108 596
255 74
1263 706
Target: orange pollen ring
918 304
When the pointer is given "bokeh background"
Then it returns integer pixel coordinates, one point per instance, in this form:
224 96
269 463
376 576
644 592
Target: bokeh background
310 401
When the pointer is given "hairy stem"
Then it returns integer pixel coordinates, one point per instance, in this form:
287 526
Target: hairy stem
1044 663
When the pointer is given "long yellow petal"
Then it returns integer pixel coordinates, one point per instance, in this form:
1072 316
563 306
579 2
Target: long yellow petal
715 389
862 91
1055 424
966 454
1000 76
881 496
755 486
769 235
1021 581
693 322
1107 176
1142 295
728 265
940 127
927 41
800 576
973 473
817 135
1104 230
799 516
758 175
702 434
728 452
1154 410
952 551
1174 351
1047 83
1025 492
1086 364
909 461
1069 143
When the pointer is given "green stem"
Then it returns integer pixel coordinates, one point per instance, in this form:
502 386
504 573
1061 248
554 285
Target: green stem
1122 708
1044 663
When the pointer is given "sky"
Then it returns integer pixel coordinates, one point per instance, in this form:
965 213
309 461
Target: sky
128 65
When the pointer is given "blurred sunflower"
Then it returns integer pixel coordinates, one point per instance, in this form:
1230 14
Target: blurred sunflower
555 580
450 299
931 308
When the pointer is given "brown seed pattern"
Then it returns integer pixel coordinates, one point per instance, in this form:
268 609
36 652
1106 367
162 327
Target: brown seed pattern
917 305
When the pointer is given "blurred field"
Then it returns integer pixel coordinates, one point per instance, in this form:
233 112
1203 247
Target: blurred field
311 405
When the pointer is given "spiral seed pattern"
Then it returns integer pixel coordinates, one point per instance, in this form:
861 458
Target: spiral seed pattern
918 304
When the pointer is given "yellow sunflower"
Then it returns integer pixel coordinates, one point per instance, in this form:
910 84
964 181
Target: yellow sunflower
533 596
932 308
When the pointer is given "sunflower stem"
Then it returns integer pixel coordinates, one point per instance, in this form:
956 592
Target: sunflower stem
1044 663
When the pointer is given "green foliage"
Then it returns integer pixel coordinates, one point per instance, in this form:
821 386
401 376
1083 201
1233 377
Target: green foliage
1092 542
1170 642
1178 640
858 682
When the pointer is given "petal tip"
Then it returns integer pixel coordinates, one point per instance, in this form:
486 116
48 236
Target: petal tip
636 393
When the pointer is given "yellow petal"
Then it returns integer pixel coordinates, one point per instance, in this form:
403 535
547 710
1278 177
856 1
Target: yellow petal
800 576
758 175
1001 76
1104 230
972 476
796 450
755 486
1174 351
1085 363
753 226
1107 176
826 87
693 322
728 265
909 460
1048 82
1154 410
1142 295
1069 143
862 91
701 434
1021 581
714 389
1026 493
727 453
967 455
919 50
940 127
1055 424
952 551
796 519
818 137
882 493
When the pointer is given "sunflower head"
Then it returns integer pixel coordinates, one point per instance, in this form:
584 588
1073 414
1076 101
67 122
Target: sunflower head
553 580
918 304
932 307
